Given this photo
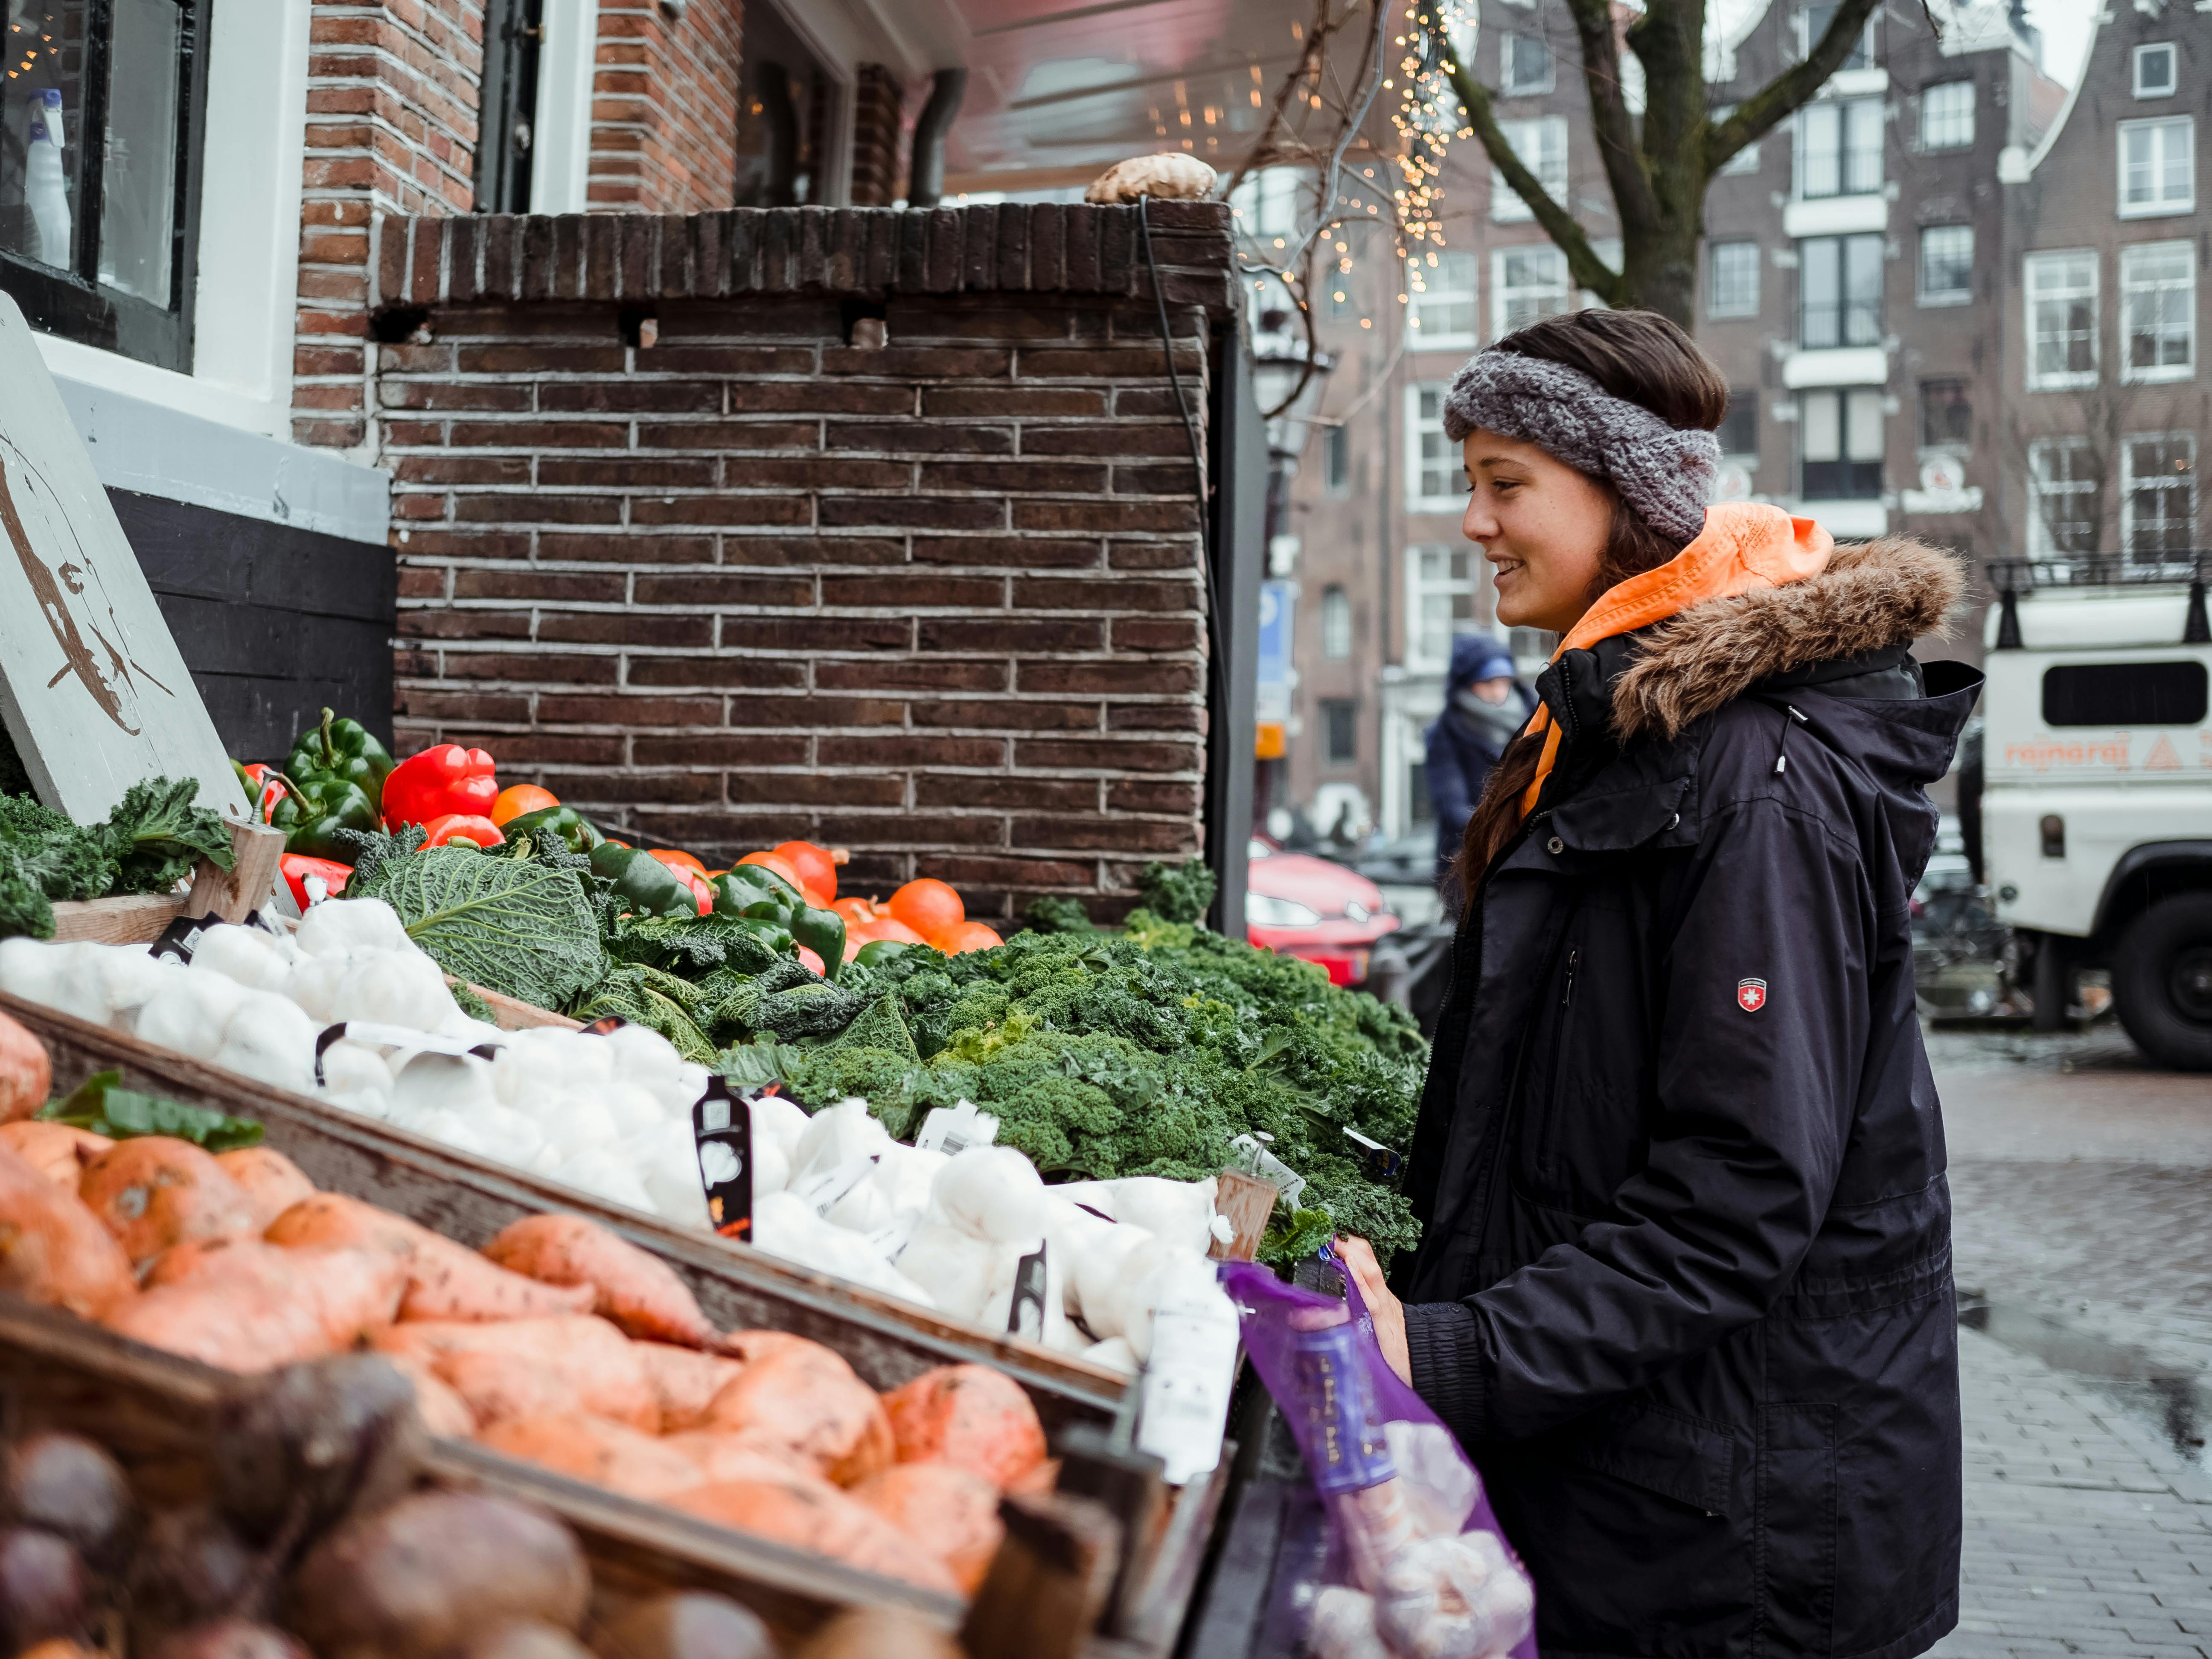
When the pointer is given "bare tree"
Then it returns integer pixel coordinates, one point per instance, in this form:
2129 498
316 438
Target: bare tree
2074 466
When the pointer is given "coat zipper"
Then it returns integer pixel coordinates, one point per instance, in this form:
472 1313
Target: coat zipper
1549 1135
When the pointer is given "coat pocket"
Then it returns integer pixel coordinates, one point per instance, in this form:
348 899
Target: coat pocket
1796 1532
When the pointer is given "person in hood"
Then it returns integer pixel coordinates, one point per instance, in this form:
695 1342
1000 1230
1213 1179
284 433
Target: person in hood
1485 708
1684 1288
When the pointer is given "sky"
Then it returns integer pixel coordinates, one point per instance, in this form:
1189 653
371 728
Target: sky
2065 26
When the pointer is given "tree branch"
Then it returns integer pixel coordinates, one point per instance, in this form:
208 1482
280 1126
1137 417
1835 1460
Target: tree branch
1617 148
1758 113
1582 264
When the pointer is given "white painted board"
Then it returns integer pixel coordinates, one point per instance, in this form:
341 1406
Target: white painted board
93 691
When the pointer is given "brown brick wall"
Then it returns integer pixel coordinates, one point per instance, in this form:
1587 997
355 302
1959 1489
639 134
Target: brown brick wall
664 108
939 602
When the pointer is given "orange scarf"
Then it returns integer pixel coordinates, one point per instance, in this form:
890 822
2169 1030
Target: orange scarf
1744 544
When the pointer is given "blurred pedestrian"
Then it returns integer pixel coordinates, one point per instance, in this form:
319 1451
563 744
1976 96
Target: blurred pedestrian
1485 708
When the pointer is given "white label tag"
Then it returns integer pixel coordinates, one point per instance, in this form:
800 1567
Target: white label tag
954 1132
1258 1161
1184 1409
822 1193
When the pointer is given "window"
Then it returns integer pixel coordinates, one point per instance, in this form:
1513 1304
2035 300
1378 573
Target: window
2158 495
1541 145
96 240
1946 264
2158 167
1443 302
514 30
1745 159
1839 444
1340 726
2062 320
1813 23
1435 479
1335 460
1439 603
1732 288
1947 418
2125 694
1946 116
1839 286
1739 429
1524 66
1340 304
1839 148
2154 70
1526 284
1335 623
1267 204
2063 481
2157 310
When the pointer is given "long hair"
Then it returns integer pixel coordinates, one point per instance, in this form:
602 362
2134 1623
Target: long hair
1641 357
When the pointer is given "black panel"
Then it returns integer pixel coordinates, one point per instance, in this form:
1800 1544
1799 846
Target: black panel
274 622
2125 694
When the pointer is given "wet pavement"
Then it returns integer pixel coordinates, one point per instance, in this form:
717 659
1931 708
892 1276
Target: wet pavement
2082 1179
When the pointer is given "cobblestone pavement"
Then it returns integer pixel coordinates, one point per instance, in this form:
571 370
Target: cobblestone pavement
2082 1185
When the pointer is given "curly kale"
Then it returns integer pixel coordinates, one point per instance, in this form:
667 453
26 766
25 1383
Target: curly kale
1177 892
1053 913
156 837
24 908
46 851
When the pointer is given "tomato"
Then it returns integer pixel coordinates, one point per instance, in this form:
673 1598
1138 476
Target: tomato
817 871
928 905
677 861
514 801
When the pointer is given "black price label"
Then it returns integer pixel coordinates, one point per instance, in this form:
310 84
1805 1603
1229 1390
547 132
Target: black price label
179 940
1025 1315
722 1126
605 1025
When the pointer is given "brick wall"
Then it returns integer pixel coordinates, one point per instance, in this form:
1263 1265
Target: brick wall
664 108
877 178
940 602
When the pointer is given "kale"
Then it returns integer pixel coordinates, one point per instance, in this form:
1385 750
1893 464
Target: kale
692 947
1052 913
768 1002
470 1003
372 847
42 848
24 908
156 837
661 1002
1177 892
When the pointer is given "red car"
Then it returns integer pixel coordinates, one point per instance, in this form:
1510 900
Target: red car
1311 908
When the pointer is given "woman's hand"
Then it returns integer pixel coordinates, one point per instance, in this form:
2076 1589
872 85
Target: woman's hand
1388 1312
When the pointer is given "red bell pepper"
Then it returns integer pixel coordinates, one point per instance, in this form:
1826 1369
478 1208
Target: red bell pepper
447 779
297 867
461 826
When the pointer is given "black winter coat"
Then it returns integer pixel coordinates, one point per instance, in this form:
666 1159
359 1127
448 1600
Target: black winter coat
1685 1289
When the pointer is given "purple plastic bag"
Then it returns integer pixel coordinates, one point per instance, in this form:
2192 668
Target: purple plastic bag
1416 1565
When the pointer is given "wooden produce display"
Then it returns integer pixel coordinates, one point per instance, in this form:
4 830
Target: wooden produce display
226 894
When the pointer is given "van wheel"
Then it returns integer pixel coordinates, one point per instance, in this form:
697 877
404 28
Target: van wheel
2162 982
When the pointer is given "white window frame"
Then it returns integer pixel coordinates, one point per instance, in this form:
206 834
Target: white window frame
1950 296
1502 295
1427 462
1547 134
1847 113
2062 380
1335 623
1743 306
1801 28
2130 484
1428 294
1949 118
1745 159
2134 285
1336 444
2172 68
2158 206
2040 545
1420 589
1509 86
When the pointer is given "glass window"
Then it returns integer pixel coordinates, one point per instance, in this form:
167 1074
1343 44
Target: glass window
1839 148
1443 296
1946 116
1947 417
2157 310
1526 284
1745 159
1435 480
2062 320
2125 694
1524 66
2158 495
96 240
1946 264
1813 23
1340 725
1335 623
1439 603
514 30
1336 459
2062 491
2155 73
1541 145
1839 444
2158 167
1739 429
1733 290
1266 206
1839 286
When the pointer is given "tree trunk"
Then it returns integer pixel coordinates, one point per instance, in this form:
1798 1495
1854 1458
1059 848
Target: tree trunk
1659 272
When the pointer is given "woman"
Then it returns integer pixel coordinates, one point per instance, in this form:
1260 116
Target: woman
1484 707
1685 1289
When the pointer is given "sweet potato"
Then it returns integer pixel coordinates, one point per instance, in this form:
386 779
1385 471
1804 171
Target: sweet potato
272 1183
637 1291
808 1515
593 1449
684 1382
444 1281
811 1405
25 1075
53 1250
719 1457
223 1325
968 1415
57 1151
353 1293
529 1367
443 1411
951 1512
155 1191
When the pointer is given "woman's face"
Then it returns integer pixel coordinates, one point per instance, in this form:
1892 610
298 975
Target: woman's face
1542 525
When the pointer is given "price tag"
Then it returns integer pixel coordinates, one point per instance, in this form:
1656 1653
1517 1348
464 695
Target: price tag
1252 1152
722 1128
1380 1162
1183 1408
954 1132
1025 1315
822 1193
180 939
402 1036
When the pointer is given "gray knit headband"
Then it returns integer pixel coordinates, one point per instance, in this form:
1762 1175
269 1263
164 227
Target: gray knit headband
1664 473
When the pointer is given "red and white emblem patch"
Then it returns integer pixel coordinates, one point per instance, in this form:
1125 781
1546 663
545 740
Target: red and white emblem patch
1751 994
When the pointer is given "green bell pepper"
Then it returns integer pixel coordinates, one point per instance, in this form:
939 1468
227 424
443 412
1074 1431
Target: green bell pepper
747 890
312 811
821 931
580 834
345 749
649 887
877 951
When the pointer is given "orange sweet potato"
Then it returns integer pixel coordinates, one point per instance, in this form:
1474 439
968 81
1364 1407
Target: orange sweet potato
272 1183
720 1457
223 1325
810 1404
443 1411
353 1293
155 1191
949 1511
532 1367
808 1515
444 1281
57 1151
53 1250
968 1415
591 1449
639 1292
25 1075
684 1382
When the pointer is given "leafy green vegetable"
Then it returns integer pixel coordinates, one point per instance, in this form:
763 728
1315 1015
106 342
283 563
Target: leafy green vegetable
646 996
156 835
100 1105
523 927
470 1003
691 945
1053 913
751 1064
1177 892
814 1008
23 908
64 862
371 848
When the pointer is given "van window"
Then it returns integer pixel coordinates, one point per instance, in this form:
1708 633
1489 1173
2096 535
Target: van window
2125 694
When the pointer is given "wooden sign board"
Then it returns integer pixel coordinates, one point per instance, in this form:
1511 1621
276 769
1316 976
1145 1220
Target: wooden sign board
93 691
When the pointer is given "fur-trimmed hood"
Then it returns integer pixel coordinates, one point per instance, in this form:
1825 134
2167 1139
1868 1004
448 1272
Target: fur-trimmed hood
1873 596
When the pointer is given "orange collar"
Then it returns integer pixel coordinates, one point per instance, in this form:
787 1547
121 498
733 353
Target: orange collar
1744 544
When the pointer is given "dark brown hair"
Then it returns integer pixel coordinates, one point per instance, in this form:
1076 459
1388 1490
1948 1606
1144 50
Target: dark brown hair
1640 356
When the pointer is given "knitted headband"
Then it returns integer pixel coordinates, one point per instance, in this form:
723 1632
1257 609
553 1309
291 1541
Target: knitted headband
1664 473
